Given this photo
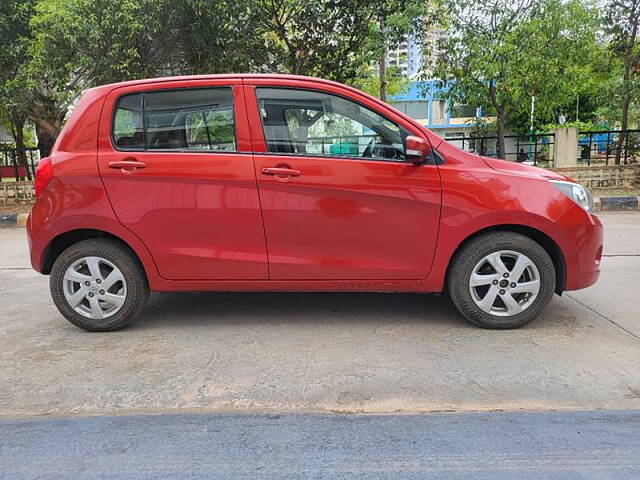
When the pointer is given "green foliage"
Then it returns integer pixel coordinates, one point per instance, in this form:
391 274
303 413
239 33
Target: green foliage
98 41
369 82
14 43
621 88
503 52
217 36
335 39
497 52
481 128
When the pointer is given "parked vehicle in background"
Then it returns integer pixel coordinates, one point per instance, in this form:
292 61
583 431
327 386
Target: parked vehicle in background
269 182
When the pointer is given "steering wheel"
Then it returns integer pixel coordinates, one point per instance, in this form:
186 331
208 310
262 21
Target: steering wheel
369 150
378 150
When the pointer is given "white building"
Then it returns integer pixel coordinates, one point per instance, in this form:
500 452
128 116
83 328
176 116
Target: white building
413 58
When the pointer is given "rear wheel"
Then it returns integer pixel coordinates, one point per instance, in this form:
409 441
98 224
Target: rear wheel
98 285
501 280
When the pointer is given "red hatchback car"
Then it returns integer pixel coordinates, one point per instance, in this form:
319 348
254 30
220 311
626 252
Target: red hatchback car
273 182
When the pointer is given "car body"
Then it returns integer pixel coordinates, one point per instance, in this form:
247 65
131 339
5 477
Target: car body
338 213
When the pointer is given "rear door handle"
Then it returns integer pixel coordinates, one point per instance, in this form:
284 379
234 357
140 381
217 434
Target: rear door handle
127 164
281 171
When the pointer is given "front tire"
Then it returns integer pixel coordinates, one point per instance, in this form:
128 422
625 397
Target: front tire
501 280
98 285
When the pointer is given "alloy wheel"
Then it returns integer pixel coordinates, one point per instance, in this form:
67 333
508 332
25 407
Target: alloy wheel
504 283
94 287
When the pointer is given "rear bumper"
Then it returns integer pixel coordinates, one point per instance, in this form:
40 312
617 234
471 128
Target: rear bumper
40 232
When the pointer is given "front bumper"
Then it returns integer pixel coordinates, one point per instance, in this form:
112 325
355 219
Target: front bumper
583 250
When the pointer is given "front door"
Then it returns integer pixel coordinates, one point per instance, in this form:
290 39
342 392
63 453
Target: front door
339 200
177 167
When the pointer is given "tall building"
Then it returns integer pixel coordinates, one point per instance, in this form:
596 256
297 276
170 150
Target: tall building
413 57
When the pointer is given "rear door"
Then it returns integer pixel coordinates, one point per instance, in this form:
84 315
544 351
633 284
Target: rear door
176 162
339 199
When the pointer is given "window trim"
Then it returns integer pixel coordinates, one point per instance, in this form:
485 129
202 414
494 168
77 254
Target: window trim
144 122
403 131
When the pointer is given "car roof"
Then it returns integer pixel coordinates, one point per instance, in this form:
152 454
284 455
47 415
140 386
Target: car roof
231 76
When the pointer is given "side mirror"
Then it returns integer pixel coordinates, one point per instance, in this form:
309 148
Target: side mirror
416 149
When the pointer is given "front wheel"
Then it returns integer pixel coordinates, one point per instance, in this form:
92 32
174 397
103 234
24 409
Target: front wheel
501 280
98 285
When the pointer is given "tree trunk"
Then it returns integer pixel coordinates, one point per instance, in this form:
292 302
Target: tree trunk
17 130
45 141
383 76
48 123
623 127
382 70
502 120
626 83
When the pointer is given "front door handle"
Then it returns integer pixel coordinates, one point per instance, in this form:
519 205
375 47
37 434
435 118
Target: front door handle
127 165
281 171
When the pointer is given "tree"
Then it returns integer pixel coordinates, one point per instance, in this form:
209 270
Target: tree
322 37
369 81
621 23
78 44
14 36
218 36
335 39
396 20
67 46
501 53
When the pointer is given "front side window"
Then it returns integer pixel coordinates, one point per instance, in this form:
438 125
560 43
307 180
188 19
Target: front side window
183 120
314 123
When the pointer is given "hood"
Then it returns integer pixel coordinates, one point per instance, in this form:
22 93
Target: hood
524 170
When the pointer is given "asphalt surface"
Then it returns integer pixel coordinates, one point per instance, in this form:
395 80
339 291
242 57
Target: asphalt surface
470 446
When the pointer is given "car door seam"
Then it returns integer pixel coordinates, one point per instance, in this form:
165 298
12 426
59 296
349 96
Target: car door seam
255 177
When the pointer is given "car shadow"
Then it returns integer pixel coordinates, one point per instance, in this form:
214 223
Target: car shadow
219 308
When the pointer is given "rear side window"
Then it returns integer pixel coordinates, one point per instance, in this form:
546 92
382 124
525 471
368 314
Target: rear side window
179 120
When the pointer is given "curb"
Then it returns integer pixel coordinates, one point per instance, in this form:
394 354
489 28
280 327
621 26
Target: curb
617 204
13 219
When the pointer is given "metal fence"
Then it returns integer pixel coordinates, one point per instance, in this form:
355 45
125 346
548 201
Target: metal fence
530 149
602 147
10 168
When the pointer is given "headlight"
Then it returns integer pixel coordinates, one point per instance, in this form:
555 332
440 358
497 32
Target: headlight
575 192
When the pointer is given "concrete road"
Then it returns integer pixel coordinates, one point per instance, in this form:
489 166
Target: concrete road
322 352
478 446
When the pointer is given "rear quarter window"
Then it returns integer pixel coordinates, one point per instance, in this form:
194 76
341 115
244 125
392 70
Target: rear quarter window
128 127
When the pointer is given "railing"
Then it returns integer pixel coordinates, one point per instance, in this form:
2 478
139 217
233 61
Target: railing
601 147
10 168
530 149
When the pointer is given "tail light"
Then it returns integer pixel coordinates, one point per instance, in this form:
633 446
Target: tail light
44 174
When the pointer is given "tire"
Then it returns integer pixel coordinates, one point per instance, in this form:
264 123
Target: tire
80 275
484 257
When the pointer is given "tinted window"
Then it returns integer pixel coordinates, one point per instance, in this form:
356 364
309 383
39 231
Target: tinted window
195 119
315 123
199 119
127 123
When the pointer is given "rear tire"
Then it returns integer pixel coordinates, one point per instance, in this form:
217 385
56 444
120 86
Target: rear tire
98 285
501 280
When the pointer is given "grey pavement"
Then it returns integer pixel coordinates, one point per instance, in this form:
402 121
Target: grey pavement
295 352
470 446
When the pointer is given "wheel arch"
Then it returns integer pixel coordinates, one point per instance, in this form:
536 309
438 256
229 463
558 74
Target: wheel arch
544 240
64 240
